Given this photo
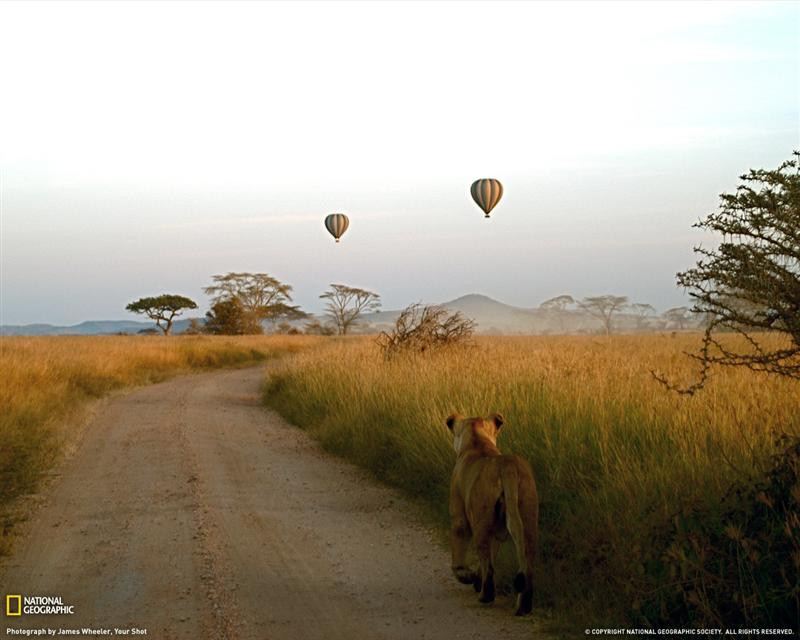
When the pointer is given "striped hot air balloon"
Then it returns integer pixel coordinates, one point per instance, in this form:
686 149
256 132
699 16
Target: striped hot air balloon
336 224
486 193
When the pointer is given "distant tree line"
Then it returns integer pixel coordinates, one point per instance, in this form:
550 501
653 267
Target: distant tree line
245 303
242 303
606 308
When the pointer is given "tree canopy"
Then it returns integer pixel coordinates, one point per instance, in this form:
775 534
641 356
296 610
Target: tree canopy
641 310
163 309
345 305
228 317
260 296
603 308
750 283
559 303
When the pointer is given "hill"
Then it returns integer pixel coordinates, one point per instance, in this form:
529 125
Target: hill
87 328
491 316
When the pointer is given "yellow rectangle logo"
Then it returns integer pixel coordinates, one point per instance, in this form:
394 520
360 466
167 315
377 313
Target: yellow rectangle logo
11 610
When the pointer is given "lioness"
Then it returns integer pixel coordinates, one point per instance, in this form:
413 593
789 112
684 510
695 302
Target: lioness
491 495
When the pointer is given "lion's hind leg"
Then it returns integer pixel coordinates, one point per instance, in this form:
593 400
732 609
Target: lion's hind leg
483 544
460 538
521 505
488 528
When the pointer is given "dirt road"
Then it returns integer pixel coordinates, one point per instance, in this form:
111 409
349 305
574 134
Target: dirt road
191 511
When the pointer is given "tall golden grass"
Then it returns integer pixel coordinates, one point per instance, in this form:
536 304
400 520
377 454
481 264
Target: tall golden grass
615 454
45 379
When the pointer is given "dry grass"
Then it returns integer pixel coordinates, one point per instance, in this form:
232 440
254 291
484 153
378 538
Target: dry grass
615 454
45 379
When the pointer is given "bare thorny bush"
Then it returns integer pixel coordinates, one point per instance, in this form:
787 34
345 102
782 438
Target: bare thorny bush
423 329
750 284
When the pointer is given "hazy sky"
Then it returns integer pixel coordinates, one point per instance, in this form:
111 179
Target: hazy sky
146 146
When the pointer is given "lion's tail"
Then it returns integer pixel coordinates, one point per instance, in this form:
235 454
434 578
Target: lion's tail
522 511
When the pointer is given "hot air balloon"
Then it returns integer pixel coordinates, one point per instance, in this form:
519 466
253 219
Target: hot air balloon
336 224
486 193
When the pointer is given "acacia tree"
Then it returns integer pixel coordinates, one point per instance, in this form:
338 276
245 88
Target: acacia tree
678 316
261 296
641 310
603 308
557 307
163 309
345 305
284 313
559 303
750 283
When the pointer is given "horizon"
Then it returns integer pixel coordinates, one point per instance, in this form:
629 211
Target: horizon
188 315
129 171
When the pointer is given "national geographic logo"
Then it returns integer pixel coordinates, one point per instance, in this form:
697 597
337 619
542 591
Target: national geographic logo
16 605
13 605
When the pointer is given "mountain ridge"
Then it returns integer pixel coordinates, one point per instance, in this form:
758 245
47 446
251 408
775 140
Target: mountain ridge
87 328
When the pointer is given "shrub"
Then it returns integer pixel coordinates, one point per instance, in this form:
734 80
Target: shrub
419 329
739 565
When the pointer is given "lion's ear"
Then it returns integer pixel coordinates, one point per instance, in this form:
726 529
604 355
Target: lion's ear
498 419
451 420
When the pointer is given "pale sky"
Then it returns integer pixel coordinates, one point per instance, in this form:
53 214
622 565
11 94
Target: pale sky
146 146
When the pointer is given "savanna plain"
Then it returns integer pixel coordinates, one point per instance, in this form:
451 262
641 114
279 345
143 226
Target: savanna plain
656 507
